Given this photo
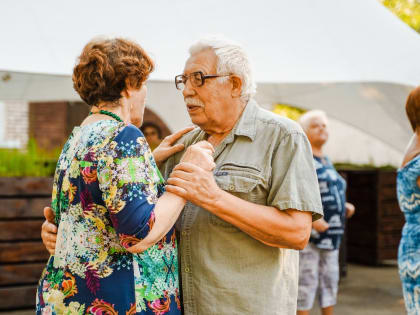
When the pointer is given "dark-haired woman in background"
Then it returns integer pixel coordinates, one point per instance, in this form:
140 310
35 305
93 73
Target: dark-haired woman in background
152 133
408 189
108 196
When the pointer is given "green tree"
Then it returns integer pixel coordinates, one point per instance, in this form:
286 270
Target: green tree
406 10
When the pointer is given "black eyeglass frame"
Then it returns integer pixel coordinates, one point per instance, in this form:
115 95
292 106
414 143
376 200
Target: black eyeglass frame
203 78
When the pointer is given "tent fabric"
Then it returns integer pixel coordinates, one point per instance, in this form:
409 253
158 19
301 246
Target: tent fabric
354 59
375 108
288 41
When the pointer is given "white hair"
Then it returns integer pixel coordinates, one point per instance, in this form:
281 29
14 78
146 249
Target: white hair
231 59
306 118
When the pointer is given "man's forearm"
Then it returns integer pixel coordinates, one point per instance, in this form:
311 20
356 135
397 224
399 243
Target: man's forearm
278 228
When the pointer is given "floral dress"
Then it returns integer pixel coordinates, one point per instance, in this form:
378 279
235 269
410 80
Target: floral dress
409 249
105 188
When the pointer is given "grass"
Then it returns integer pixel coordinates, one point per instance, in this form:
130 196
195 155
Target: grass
31 161
360 167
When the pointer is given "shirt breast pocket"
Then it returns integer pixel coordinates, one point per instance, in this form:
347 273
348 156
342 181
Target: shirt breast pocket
242 181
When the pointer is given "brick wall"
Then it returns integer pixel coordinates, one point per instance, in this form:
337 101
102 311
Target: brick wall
48 123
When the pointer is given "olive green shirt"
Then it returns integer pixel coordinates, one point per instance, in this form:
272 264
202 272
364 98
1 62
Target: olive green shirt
266 160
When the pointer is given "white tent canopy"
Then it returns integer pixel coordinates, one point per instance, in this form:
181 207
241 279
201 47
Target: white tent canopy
288 41
352 58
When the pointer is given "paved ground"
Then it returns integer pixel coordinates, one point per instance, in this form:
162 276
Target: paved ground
370 291
365 291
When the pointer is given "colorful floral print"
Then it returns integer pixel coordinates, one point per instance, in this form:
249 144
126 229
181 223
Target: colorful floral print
105 187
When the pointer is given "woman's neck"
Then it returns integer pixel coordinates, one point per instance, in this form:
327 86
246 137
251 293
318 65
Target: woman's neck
120 111
413 148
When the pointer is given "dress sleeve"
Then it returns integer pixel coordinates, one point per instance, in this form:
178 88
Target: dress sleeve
130 184
294 180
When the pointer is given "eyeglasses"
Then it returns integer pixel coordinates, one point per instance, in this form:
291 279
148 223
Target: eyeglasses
197 79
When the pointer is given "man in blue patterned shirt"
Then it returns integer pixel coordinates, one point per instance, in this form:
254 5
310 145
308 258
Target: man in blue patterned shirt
318 265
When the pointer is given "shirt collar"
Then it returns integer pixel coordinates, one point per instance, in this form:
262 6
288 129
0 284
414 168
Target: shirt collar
246 125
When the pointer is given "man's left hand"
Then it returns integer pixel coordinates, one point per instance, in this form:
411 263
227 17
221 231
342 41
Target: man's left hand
350 209
194 184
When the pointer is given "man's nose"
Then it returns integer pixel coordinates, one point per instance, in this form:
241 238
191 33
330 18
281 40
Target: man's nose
188 89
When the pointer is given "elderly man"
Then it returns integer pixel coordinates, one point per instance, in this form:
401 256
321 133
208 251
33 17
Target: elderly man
318 264
244 222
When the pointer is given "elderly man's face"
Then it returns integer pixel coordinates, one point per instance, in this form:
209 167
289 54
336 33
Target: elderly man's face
317 131
207 105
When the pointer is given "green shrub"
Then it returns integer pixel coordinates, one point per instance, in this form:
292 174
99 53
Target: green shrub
31 161
361 167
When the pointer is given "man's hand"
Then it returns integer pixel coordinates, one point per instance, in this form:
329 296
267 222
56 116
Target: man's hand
49 230
320 225
193 183
167 148
350 209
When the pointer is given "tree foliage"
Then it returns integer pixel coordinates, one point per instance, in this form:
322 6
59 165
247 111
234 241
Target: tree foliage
288 111
406 10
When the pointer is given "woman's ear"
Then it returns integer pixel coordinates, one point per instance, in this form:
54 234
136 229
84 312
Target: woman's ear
236 86
125 93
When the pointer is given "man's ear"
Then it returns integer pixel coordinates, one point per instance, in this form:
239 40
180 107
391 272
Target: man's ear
236 86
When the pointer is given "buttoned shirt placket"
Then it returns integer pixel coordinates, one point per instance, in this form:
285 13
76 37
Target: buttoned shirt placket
188 218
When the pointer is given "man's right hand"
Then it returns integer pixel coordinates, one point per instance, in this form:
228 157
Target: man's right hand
49 230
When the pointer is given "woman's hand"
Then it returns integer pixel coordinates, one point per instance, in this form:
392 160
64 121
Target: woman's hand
201 155
167 148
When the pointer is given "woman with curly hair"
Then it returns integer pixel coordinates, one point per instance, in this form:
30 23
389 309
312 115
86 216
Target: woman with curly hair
116 249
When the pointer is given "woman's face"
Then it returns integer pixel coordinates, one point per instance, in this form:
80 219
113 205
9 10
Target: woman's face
137 102
317 131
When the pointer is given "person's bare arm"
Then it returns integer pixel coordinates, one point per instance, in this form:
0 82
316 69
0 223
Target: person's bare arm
169 206
278 228
166 211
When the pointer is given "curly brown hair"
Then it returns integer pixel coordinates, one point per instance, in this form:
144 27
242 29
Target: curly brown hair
108 66
412 108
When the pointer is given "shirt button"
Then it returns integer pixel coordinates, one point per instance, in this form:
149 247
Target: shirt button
187 269
183 233
231 187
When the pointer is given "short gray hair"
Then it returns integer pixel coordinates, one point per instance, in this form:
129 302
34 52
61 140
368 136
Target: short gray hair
306 118
231 59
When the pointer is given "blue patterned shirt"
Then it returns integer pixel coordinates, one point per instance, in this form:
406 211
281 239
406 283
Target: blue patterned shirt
333 196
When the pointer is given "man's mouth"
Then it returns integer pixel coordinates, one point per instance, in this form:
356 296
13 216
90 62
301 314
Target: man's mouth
193 108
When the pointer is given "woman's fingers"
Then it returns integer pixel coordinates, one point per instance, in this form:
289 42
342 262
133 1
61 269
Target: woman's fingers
177 135
176 148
